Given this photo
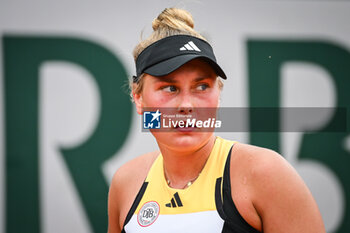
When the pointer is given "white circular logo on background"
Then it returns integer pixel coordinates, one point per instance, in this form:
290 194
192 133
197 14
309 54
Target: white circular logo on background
148 213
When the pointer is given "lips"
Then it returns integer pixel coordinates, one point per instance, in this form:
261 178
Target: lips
185 129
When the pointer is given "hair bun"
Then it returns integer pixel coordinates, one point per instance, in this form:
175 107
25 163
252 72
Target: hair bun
175 18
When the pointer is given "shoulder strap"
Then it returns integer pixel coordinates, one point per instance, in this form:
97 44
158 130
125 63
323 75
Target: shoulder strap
135 204
234 222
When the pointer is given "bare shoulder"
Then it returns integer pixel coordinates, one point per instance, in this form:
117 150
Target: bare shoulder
135 170
126 182
258 160
278 194
265 168
253 165
247 163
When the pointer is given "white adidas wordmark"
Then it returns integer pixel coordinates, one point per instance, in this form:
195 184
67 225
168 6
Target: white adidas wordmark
190 46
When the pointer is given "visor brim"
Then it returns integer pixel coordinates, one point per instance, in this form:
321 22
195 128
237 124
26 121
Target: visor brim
166 67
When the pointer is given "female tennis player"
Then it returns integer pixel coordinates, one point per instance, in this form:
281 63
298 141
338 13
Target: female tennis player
198 182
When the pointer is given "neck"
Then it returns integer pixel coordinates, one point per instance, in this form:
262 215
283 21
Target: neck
180 167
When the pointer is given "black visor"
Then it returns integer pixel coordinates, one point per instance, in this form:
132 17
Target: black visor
166 55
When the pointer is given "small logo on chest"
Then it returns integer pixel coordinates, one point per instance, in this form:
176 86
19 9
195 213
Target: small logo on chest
148 214
175 201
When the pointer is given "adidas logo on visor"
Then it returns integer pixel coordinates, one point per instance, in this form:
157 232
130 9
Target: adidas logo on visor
190 46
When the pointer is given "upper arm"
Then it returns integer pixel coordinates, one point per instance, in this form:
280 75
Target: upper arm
281 198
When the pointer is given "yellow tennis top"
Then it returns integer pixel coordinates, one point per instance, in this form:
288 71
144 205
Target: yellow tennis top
161 208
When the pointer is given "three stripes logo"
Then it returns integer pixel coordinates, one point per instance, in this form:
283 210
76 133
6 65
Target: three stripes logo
175 201
190 46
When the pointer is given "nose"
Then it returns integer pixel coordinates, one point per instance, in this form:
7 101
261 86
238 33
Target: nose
185 104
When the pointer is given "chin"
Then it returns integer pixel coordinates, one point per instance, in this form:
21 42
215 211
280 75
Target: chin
183 141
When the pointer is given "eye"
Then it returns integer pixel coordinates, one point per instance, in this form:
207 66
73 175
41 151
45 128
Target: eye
202 87
170 89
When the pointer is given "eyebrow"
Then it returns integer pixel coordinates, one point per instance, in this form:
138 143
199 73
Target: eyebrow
172 79
201 78
168 79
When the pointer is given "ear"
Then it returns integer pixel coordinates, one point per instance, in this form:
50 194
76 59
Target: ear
138 102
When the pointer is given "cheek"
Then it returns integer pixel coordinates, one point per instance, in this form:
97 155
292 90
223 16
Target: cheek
210 100
153 98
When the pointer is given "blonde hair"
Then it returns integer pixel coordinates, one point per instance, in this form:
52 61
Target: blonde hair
170 22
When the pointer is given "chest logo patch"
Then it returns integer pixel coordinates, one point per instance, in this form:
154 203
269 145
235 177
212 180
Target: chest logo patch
148 214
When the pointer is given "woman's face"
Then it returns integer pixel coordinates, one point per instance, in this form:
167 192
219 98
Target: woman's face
193 85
